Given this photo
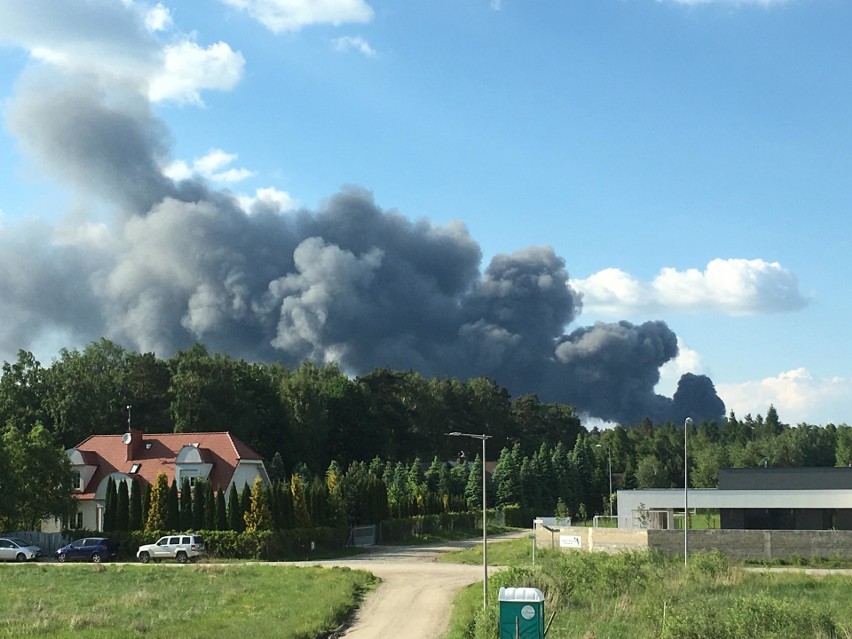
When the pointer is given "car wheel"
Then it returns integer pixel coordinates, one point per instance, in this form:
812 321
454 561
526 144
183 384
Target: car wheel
20 557
181 557
61 557
96 558
144 557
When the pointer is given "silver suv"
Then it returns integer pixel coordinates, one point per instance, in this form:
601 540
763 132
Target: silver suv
181 548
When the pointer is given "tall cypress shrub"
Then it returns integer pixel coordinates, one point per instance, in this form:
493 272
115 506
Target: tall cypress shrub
173 508
134 520
157 505
235 513
221 511
109 505
122 508
186 519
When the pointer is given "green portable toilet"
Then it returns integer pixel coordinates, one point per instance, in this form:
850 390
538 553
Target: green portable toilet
521 613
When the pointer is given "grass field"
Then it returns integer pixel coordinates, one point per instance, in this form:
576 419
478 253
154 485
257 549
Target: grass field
169 601
648 596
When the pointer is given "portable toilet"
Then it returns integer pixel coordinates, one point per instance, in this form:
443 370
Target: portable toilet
521 613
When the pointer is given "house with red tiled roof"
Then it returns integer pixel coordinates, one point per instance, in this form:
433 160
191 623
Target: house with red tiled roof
219 458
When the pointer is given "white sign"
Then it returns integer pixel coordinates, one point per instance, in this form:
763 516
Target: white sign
569 541
527 612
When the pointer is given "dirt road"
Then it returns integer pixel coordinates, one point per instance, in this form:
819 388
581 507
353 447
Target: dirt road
415 596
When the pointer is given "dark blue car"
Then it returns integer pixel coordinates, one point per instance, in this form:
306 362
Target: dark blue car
96 549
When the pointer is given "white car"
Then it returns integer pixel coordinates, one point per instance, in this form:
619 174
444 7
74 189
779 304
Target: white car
15 549
181 548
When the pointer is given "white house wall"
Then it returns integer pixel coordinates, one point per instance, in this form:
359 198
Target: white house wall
629 501
246 472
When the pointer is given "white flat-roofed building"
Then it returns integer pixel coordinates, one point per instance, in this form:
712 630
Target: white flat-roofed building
751 498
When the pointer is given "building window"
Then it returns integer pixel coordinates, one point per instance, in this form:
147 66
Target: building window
134 469
76 480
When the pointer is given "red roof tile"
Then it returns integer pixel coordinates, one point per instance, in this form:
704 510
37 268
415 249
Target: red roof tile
156 453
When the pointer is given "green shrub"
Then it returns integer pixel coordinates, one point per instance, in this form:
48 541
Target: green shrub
518 517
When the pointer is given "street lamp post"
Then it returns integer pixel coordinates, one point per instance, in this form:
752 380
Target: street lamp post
686 425
484 520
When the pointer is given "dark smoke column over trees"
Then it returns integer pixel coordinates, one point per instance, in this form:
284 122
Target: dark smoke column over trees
162 265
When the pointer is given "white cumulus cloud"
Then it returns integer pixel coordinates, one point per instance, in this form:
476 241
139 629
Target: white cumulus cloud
269 197
353 43
214 167
158 18
732 287
119 43
292 15
797 395
189 68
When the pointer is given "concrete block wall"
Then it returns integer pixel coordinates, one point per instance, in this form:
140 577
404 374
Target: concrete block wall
594 539
740 545
761 545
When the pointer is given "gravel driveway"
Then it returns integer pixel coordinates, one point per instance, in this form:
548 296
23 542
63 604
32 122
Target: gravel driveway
415 596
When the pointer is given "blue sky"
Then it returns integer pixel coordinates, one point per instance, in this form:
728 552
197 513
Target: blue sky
689 160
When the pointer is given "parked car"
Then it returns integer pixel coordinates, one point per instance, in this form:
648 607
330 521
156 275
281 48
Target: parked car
16 549
96 549
181 548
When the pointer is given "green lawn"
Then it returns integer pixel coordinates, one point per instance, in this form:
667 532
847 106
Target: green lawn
167 601
511 552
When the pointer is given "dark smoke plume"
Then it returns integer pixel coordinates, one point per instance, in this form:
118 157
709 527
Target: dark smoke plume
170 264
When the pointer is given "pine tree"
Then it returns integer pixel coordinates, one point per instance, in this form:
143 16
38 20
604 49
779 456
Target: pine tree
134 520
507 477
432 476
209 507
221 511
235 513
337 504
473 488
276 469
186 518
157 505
173 508
198 503
283 514
259 516
301 516
245 503
110 505
122 509
316 497
146 504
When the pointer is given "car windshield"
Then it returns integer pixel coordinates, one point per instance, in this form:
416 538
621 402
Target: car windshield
19 542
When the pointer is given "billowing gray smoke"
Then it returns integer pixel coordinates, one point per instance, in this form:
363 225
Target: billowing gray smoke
170 264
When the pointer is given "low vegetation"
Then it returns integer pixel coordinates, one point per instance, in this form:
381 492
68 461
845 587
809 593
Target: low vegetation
191 602
644 595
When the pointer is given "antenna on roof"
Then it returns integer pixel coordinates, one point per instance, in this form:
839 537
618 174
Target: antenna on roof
128 417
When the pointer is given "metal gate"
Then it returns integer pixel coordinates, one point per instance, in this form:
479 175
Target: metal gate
363 536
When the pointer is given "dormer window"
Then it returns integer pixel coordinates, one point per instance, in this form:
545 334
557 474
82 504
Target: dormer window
76 480
134 469
147 445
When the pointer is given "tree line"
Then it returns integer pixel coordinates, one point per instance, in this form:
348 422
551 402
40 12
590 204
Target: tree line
378 427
